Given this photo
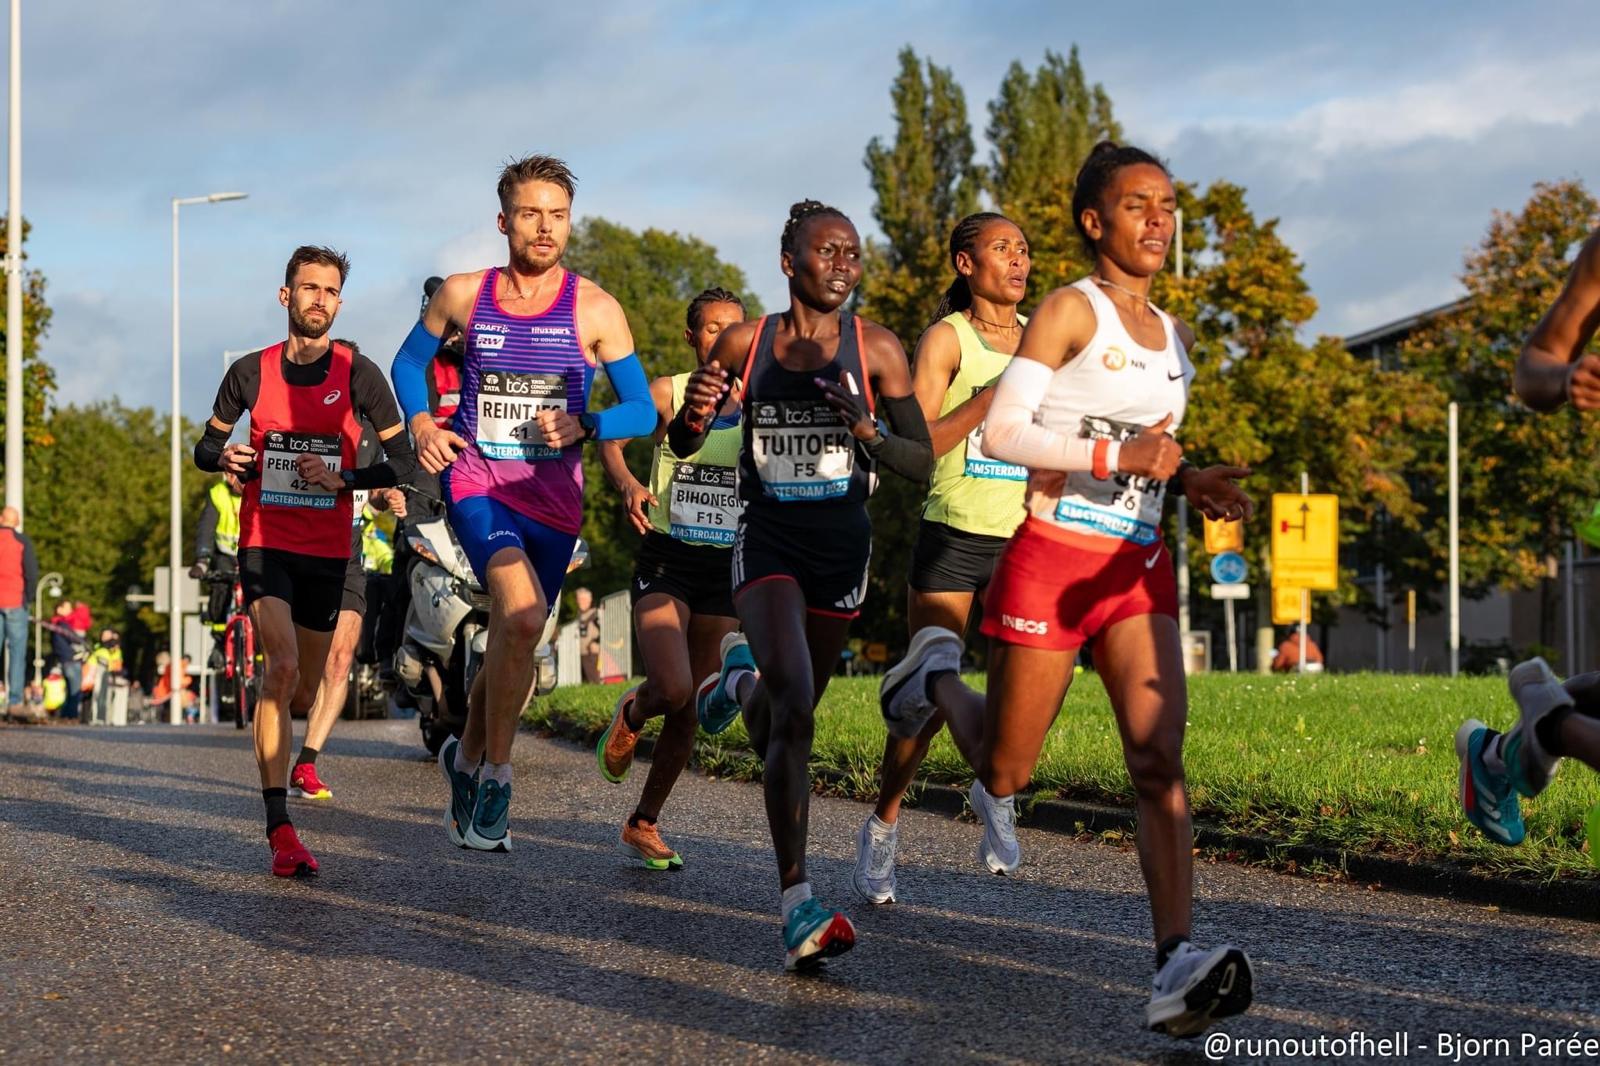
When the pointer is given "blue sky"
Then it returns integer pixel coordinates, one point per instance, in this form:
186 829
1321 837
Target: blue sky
1383 135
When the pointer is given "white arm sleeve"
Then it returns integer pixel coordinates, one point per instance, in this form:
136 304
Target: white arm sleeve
1011 435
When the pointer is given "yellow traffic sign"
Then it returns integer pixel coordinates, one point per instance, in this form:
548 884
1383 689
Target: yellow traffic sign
1286 603
1305 541
1224 536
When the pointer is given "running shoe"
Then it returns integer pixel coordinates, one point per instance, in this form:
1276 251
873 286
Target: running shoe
487 829
1197 987
998 850
874 876
903 695
290 857
644 840
305 784
813 933
463 793
1487 798
614 750
712 704
1537 691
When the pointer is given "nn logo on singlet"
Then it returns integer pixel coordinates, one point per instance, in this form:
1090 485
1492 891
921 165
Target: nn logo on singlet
1025 625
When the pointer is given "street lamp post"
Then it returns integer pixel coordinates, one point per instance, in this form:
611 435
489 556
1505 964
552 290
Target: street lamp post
14 272
175 540
53 582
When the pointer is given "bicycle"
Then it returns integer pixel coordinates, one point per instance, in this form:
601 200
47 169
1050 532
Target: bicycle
243 685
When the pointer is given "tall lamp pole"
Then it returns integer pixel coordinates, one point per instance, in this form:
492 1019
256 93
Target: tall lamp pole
175 541
14 273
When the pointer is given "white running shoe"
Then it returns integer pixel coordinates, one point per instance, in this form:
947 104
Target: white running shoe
1537 691
903 694
998 850
1197 987
874 876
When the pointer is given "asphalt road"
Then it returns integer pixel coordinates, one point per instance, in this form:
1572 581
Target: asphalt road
140 925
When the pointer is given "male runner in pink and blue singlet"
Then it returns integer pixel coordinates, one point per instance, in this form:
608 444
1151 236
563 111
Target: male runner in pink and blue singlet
510 464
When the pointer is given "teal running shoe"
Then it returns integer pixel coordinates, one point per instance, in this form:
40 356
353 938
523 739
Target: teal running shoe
712 704
1487 798
814 933
463 793
487 829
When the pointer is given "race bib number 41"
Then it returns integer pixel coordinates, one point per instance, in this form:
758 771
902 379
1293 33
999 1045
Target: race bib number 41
507 404
703 507
281 484
803 450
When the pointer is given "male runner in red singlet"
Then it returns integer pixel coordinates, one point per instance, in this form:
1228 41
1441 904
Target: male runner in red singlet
304 397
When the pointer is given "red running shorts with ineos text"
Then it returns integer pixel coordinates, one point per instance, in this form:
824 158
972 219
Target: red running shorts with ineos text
1055 589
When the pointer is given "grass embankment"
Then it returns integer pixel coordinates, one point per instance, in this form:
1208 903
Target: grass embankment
1363 763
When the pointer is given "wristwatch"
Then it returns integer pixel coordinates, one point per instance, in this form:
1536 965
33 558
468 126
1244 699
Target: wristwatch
349 479
587 424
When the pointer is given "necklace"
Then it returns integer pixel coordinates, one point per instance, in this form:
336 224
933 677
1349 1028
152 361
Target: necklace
1013 324
1104 284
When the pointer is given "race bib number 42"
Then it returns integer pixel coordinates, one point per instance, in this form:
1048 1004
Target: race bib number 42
704 506
803 450
281 484
507 404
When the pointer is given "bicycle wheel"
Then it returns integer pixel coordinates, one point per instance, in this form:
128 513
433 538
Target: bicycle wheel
241 686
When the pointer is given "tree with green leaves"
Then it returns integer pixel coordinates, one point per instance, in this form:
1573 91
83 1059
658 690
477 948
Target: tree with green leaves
1525 477
1042 126
38 379
654 275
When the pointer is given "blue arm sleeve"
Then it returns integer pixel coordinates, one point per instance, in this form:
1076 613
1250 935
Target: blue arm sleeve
634 414
410 370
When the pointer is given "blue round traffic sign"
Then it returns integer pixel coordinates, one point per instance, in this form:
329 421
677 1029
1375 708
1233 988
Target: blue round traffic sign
1228 568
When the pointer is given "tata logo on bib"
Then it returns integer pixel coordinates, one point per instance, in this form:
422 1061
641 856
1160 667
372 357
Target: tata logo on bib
332 398
275 439
1114 359
492 380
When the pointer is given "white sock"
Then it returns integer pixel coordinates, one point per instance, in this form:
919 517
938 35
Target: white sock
730 684
497 771
462 764
795 895
878 827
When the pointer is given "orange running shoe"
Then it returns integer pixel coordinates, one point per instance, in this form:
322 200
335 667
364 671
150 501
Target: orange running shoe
641 838
614 751
290 857
304 784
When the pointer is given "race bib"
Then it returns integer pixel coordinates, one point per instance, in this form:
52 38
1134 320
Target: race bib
802 450
981 466
281 485
703 503
1123 506
507 404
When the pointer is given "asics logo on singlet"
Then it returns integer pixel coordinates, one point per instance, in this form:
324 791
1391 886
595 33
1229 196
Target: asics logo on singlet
1025 625
550 331
332 398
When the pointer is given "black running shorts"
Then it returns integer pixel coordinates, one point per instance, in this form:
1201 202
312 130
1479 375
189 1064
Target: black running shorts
311 585
824 549
694 574
947 559
355 587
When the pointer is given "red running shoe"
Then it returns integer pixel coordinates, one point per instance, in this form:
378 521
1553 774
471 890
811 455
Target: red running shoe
304 784
290 857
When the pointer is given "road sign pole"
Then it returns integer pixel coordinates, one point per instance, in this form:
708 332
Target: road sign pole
1411 631
1455 544
1183 569
1305 596
1233 641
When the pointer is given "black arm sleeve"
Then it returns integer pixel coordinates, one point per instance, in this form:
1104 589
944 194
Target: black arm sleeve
908 449
683 440
205 534
370 390
208 449
238 391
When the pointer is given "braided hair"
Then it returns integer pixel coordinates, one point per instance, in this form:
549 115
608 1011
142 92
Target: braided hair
714 295
964 238
1105 159
798 214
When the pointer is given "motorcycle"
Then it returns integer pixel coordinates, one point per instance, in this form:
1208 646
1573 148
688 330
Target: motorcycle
446 632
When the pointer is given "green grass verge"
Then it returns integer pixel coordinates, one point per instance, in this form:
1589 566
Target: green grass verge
1362 762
